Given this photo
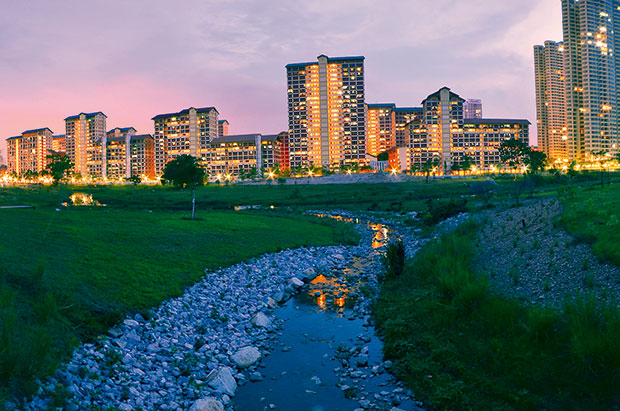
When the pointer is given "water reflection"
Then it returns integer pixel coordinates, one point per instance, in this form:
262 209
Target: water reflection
335 293
82 199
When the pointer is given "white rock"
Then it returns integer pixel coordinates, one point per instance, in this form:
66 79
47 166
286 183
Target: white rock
295 282
207 404
222 380
261 320
246 357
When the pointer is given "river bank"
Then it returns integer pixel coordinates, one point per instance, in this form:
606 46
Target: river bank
196 349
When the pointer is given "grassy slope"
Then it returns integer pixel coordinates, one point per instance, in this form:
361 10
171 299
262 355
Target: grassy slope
593 215
458 347
69 275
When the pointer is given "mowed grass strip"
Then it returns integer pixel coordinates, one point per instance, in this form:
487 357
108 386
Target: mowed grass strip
67 276
593 216
460 348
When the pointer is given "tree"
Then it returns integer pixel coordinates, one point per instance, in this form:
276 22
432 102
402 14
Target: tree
58 166
185 171
429 166
383 156
603 159
134 179
466 162
535 161
513 152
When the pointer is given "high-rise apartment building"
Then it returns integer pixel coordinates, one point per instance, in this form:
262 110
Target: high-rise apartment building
402 117
550 100
85 143
326 112
187 132
592 71
380 128
472 108
29 151
443 136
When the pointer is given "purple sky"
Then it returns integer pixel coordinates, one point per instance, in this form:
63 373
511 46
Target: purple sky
135 59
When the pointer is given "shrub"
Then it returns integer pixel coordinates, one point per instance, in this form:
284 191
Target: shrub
394 259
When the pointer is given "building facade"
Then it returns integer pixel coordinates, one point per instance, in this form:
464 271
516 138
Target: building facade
189 131
402 117
591 31
59 143
29 151
380 128
85 143
326 112
550 100
472 108
233 155
222 128
442 137
128 154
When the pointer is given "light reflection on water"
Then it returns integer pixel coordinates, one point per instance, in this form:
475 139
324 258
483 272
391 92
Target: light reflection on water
333 293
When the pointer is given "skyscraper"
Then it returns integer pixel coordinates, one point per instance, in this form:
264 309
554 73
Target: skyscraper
326 112
472 108
550 100
591 37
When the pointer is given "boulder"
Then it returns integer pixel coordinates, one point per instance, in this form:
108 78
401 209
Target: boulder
246 357
271 303
261 320
295 282
222 380
207 404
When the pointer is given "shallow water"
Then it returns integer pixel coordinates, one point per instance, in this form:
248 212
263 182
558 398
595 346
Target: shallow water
299 373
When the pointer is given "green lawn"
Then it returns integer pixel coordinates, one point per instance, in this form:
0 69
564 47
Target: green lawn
593 215
68 275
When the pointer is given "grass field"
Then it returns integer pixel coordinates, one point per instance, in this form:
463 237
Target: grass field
66 276
593 216
460 348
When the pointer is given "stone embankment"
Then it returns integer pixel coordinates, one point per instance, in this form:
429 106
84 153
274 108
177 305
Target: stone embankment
528 257
194 350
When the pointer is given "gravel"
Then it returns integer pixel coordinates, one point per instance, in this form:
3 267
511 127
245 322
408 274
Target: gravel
528 257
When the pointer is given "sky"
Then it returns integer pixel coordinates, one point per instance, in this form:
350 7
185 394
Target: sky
135 59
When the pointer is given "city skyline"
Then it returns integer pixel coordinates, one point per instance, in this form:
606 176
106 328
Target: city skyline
137 60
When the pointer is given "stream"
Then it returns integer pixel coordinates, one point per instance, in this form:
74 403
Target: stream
327 356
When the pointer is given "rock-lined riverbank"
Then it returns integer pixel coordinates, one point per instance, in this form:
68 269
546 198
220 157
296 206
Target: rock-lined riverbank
195 350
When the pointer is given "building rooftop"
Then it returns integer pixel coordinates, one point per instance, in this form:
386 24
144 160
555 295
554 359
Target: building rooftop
477 121
436 95
186 111
122 129
222 121
329 59
13 138
141 137
60 136
270 137
408 109
238 138
36 130
88 115
380 105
